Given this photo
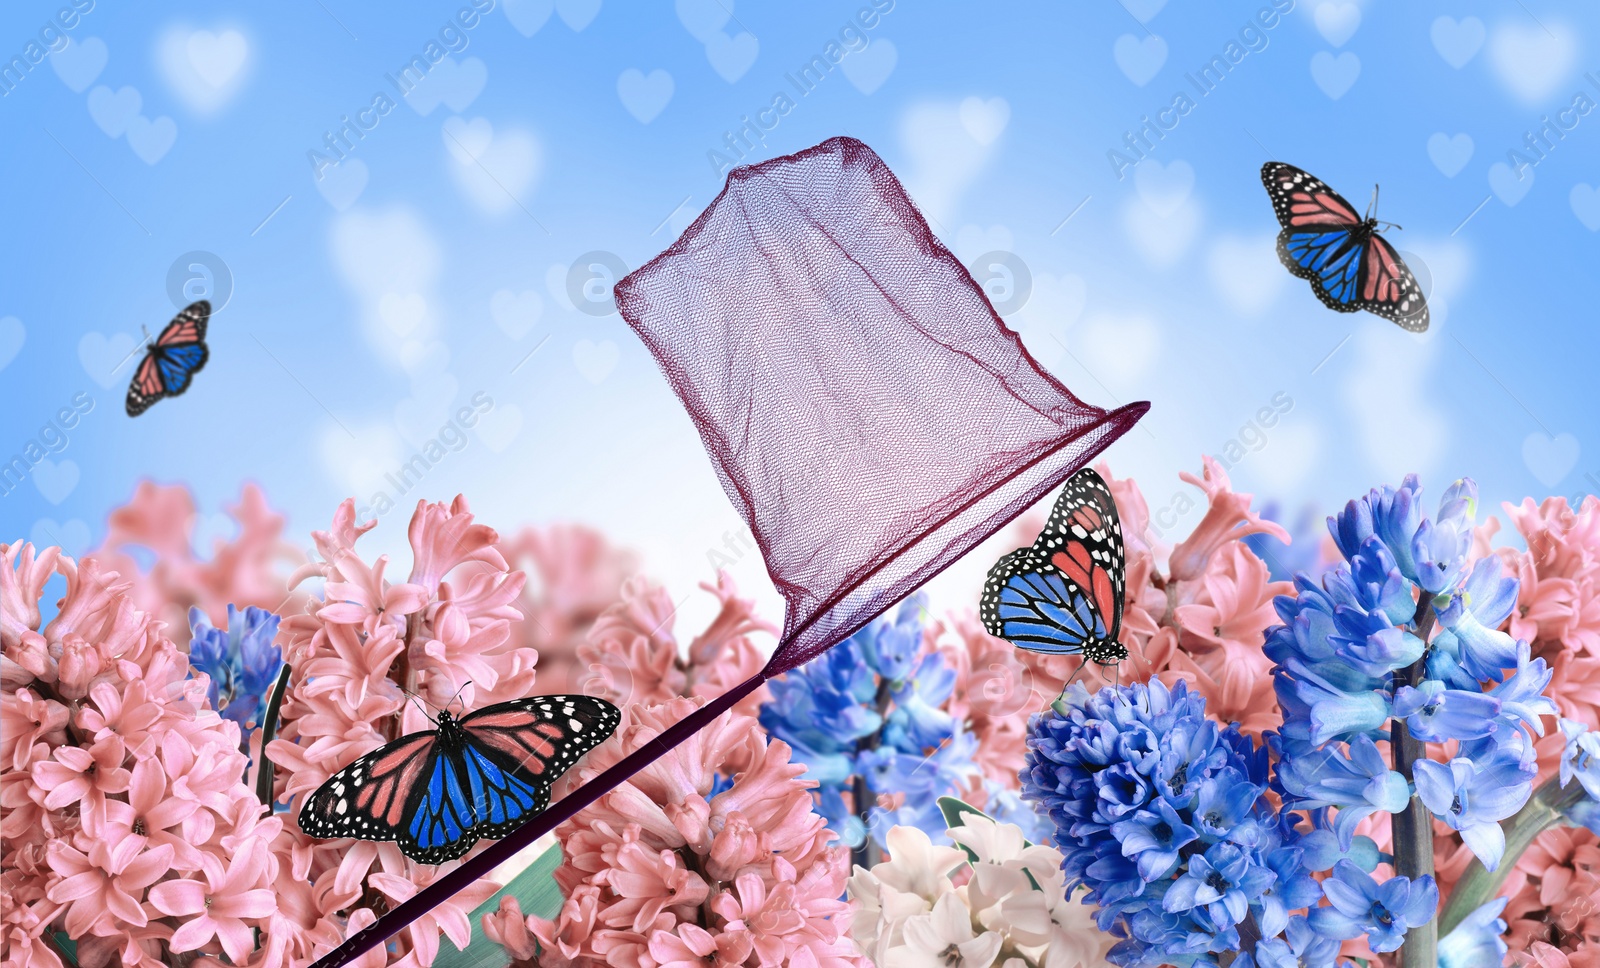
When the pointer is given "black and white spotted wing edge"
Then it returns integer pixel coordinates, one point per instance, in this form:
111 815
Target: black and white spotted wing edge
1088 487
1104 546
1279 189
1414 320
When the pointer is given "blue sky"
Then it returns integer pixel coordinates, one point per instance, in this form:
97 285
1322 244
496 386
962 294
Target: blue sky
433 264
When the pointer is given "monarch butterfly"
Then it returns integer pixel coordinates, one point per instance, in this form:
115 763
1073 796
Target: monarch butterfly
437 792
1350 265
1063 594
172 359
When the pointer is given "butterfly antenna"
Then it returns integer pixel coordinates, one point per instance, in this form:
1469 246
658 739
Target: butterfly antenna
422 704
453 698
1372 208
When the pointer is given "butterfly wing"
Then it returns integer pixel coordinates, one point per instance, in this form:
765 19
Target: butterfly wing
188 326
1086 522
444 823
1030 604
1350 267
1389 289
495 770
1322 235
371 798
173 360
1331 260
436 793
516 750
1064 594
1304 202
146 387
179 364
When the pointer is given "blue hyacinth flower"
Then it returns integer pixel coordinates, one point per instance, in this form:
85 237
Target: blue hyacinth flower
1580 761
1478 941
1152 839
1322 850
1223 880
1521 696
1383 912
241 662
1440 546
871 709
1392 514
1470 623
1436 714
1359 785
1299 947
1474 796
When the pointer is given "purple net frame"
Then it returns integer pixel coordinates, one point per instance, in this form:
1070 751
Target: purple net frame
869 415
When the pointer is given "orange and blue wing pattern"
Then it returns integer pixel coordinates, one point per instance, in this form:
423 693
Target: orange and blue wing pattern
172 360
1349 265
1064 594
437 793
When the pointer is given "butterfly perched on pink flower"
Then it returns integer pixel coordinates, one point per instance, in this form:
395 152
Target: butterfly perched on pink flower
437 792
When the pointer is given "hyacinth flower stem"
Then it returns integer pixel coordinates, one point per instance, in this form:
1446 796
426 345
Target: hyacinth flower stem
1545 809
1413 828
868 854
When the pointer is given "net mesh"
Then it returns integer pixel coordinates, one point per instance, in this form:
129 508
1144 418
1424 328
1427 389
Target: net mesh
869 415
866 410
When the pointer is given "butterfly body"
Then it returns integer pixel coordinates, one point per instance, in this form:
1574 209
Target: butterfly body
172 359
1344 256
439 791
1063 594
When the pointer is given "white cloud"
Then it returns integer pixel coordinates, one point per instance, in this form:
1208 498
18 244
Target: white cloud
1395 417
358 464
1246 272
391 263
1289 457
944 158
1161 239
1532 59
1445 264
493 169
1052 308
972 241
1118 351
205 68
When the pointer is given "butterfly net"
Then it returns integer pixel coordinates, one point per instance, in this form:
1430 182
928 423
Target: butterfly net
866 410
868 414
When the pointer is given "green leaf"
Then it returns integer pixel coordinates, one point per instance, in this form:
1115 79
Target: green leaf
535 890
269 730
956 811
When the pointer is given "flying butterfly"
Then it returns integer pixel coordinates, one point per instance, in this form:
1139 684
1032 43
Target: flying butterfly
172 359
1063 594
1349 264
437 792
